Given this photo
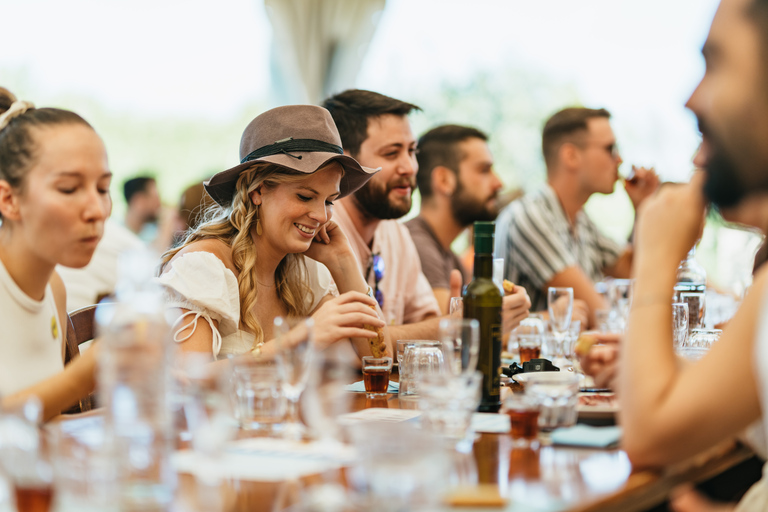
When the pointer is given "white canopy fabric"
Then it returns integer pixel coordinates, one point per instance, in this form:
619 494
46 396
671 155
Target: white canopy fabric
319 45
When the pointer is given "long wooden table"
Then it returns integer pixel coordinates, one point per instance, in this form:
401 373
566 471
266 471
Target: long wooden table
547 478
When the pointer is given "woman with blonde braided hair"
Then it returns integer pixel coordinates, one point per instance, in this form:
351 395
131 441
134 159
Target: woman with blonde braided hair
269 247
54 199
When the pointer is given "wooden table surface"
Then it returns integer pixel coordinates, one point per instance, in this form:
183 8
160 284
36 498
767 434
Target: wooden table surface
546 479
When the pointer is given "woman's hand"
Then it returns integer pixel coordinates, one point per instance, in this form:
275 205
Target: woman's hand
345 317
328 244
514 308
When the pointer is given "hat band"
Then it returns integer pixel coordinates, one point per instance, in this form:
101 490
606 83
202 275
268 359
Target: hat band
289 145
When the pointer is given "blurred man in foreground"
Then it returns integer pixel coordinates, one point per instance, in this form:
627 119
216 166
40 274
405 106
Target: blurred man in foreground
682 410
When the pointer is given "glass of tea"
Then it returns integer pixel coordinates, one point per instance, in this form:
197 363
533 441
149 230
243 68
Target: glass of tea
376 372
523 412
529 337
25 459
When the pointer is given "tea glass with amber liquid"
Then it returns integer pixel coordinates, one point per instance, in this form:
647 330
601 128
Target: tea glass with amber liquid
523 412
376 371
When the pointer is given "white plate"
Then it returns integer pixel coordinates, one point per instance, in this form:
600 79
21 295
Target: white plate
585 381
522 378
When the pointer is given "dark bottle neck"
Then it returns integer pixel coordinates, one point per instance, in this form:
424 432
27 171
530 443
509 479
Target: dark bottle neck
483 266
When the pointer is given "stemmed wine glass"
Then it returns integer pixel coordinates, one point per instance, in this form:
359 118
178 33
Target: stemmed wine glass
560 305
296 355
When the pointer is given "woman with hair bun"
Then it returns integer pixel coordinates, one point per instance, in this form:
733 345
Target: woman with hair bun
54 199
270 247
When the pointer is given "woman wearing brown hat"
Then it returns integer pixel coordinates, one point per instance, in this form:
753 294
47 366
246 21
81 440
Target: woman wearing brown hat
54 199
270 247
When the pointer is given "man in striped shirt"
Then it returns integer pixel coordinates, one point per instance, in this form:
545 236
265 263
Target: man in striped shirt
546 238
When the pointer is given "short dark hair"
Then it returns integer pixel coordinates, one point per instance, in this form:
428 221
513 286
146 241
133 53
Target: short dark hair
352 109
566 124
135 185
440 147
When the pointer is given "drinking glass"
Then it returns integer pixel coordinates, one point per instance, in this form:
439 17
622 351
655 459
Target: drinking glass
569 345
703 338
696 306
456 307
447 402
400 466
460 340
401 344
621 300
679 323
85 476
557 396
530 337
24 459
607 320
260 400
523 412
295 359
419 359
560 306
376 372
325 398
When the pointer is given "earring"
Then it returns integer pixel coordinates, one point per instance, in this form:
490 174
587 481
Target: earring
258 222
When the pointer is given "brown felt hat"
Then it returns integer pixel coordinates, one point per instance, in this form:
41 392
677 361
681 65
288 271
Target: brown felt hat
300 138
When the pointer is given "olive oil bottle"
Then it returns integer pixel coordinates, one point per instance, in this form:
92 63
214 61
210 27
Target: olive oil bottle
482 301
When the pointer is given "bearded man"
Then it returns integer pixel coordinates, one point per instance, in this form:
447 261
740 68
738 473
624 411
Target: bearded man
375 130
458 186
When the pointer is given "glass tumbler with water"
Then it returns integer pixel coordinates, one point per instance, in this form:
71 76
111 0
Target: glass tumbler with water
418 360
557 394
132 384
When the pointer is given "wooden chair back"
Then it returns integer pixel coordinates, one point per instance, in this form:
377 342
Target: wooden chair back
80 329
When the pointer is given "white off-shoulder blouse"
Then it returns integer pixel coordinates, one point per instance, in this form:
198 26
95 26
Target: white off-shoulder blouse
200 283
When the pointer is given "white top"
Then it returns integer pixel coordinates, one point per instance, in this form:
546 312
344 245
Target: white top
31 343
202 284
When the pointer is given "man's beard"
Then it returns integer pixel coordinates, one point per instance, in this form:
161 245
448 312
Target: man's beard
373 199
724 187
468 210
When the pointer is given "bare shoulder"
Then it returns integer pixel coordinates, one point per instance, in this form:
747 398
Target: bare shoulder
754 297
759 280
213 246
59 291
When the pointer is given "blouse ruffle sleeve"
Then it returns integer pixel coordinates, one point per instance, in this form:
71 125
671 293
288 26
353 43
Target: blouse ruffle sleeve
319 279
200 283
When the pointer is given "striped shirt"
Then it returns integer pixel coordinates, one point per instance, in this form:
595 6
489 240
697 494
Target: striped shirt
537 242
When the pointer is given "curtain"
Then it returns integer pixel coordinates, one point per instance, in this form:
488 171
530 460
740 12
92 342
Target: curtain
319 45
